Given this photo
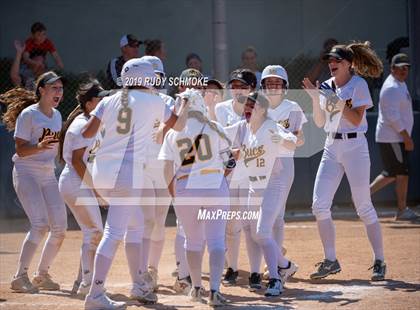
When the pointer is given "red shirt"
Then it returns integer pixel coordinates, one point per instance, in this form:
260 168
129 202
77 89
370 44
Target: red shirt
44 47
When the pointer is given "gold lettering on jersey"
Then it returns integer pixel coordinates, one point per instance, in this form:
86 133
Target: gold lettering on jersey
46 132
284 123
93 150
252 153
349 104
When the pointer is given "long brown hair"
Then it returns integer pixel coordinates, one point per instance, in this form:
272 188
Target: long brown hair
16 99
79 109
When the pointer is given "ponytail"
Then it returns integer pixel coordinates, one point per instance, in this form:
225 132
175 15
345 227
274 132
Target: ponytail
16 100
365 61
202 119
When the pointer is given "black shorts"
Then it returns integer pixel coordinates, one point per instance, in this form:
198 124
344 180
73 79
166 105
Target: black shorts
394 158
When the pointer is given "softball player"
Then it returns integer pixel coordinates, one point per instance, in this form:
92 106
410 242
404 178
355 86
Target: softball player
264 149
341 110
155 190
118 173
78 152
290 116
229 112
37 126
199 155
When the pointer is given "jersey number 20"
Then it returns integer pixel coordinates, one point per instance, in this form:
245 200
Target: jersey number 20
189 149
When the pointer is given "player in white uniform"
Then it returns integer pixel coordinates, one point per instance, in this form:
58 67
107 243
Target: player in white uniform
290 116
155 191
341 110
264 144
230 112
127 120
195 160
37 126
78 152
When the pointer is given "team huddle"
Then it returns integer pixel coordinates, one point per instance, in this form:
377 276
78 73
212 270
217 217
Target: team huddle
136 151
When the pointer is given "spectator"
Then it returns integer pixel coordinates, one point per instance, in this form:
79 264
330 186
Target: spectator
155 48
39 44
249 61
25 75
193 61
321 72
129 45
393 134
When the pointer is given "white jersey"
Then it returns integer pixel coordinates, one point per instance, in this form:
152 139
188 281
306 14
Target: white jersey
356 94
154 148
74 141
259 153
33 126
203 164
225 114
395 111
290 116
125 132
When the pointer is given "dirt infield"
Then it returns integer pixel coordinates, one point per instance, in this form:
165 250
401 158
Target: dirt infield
349 289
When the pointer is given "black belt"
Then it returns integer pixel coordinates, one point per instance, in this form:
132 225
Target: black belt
338 135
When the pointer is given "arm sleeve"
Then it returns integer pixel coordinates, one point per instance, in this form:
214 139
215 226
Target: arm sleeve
98 112
167 113
390 107
23 129
166 151
50 46
361 95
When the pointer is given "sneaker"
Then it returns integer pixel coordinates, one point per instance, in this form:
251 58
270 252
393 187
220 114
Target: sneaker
216 299
230 277
83 289
289 271
21 284
143 293
183 286
406 215
379 270
196 295
326 268
44 282
275 288
154 274
103 302
75 287
254 282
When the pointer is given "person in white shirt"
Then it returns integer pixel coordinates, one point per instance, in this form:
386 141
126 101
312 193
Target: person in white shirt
263 146
76 182
125 123
341 110
230 112
393 134
37 125
195 161
290 116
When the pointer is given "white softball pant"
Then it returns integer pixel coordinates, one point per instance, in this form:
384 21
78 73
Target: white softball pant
155 201
87 216
197 232
37 190
349 156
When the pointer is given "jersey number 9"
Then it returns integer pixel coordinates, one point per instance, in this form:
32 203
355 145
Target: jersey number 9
189 149
124 119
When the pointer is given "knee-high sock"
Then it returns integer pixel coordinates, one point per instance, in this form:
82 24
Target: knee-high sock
254 251
134 259
375 237
49 252
271 250
87 260
145 254
232 250
155 253
217 258
26 255
101 268
327 233
194 259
